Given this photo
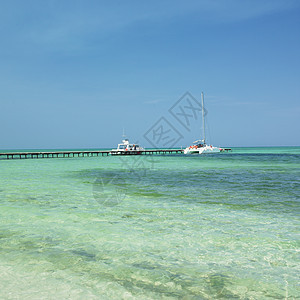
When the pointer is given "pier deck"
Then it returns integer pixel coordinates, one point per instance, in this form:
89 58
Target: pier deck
66 154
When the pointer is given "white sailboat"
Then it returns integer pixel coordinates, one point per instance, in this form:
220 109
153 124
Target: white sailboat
200 146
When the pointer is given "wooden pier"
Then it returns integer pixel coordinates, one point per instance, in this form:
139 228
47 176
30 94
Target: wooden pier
68 154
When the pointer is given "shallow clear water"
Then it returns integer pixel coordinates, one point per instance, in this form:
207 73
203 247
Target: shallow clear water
157 227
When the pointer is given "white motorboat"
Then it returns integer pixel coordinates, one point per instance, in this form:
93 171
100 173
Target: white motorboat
125 148
200 146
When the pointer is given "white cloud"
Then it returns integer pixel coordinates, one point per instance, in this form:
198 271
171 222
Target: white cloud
154 101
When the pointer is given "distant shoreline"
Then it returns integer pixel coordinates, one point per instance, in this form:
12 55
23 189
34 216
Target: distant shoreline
109 148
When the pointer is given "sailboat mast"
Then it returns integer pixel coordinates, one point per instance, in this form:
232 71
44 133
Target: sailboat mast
203 119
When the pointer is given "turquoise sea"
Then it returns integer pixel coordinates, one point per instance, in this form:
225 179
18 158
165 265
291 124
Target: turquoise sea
222 226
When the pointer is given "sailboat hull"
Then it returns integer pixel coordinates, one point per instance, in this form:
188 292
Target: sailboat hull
202 150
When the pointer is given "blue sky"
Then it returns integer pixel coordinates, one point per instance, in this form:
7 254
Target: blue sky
75 73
